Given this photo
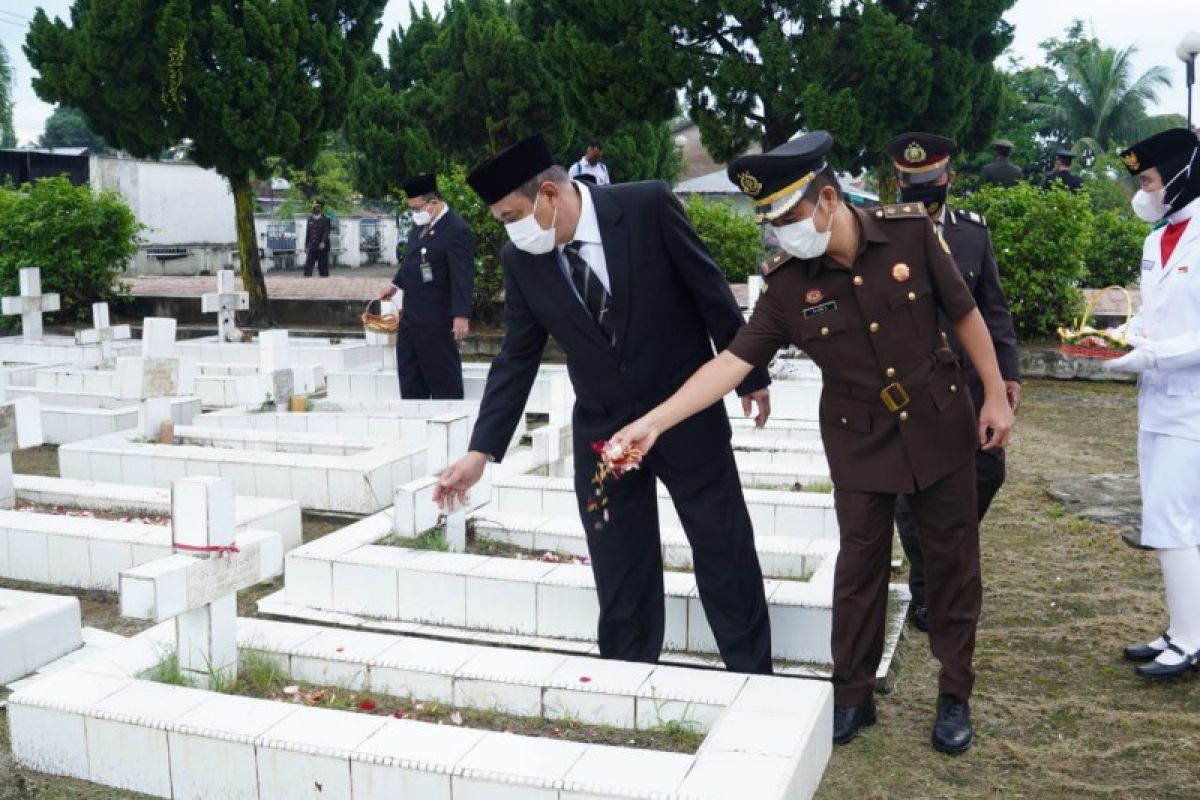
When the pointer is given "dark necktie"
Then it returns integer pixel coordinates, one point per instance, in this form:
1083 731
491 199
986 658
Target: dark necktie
595 296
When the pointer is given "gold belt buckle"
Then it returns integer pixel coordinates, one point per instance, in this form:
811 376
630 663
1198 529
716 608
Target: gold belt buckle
894 397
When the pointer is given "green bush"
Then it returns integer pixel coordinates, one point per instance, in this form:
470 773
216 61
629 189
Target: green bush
733 238
1042 238
81 240
1115 255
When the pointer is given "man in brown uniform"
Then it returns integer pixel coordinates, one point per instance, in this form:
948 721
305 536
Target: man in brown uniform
922 162
861 294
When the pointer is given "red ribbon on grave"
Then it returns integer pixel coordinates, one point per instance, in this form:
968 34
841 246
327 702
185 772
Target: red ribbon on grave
222 550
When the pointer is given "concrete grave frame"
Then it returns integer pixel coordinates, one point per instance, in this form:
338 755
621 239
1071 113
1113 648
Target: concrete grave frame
766 737
35 629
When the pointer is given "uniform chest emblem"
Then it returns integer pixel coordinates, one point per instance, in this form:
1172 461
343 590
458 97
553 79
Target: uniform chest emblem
901 272
814 296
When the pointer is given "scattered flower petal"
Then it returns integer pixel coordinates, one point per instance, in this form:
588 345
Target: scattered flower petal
400 713
366 705
584 679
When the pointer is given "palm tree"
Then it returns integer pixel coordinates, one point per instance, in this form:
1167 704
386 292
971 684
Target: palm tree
1102 104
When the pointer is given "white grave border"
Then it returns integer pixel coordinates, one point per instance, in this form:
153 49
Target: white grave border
768 736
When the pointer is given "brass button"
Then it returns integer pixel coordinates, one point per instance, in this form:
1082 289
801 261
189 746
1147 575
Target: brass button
891 372
843 420
954 387
858 280
912 295
903 416
874 327
824 331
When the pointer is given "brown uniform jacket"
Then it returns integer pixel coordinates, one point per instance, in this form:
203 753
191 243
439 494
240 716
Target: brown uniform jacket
868 327
970 244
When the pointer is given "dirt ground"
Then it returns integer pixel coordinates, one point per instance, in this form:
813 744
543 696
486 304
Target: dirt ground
1057 713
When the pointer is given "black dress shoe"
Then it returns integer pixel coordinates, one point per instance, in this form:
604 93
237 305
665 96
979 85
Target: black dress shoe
847 720
1162 672
920 618
952 732
1143 652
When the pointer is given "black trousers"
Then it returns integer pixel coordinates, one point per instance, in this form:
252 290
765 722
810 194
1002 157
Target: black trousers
428 363
318 257
949 536
697 468
989 477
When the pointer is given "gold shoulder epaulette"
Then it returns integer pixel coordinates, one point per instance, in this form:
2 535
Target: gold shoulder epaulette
773 262
901 211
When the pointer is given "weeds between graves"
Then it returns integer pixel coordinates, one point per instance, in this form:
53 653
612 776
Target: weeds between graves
259 676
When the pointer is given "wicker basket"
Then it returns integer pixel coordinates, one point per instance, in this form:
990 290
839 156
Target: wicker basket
1102 347
379 322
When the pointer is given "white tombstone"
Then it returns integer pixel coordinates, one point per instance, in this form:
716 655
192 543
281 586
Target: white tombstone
157 375
274 360
31 304
197 586
754 286
102 333
20 427
225 303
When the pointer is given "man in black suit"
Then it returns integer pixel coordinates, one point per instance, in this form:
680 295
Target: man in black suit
435 281
618 276
316 241
922 163
1061 171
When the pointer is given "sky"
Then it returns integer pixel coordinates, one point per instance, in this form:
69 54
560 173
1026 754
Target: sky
1155 29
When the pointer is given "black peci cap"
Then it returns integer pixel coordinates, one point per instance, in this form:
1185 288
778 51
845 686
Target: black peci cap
1169 147
503 173
420 185
776 180
921 157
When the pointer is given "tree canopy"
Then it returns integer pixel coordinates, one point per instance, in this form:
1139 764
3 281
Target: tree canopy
67 127
243 80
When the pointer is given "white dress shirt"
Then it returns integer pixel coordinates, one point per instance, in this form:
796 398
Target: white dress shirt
587 232
597 171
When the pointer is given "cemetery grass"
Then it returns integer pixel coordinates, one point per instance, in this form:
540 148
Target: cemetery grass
260 677
1057 713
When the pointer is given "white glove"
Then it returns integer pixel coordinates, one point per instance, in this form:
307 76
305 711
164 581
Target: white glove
1136 339
1139 359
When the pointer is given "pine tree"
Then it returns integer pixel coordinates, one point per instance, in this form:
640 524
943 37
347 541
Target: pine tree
244 80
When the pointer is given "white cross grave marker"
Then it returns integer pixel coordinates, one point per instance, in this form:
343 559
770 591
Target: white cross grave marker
157 376
101 332
197 586
20 427
225 303
31 304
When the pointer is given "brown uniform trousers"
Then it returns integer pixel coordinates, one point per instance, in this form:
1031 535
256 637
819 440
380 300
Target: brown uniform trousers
896 418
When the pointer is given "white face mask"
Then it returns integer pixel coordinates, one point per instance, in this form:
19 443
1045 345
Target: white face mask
420 218
526 234
1149 206
802 239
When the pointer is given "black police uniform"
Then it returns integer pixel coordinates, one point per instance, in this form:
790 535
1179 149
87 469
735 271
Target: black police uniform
437 277
1073 182
922 158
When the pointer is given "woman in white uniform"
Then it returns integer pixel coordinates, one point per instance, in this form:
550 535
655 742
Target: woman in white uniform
1166 338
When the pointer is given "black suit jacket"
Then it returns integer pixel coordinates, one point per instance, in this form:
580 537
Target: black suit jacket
970 244
316 233
671 304
448 247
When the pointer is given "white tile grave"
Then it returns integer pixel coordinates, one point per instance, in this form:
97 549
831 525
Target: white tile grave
35 629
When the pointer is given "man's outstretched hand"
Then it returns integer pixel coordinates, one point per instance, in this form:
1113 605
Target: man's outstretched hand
456 481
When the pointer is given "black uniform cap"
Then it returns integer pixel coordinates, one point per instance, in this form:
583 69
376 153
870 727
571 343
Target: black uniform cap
776 180
1064 155
1002 144
1167 148
921 157
503 173
420 185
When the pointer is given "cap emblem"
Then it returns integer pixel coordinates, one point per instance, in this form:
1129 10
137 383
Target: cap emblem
750 184
914 152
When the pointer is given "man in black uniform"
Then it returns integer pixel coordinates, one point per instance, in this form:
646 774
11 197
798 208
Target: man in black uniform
316 241
1062 171
1000 170
435 282
922 163
620 279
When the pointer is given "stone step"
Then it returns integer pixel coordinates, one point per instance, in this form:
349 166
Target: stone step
784 557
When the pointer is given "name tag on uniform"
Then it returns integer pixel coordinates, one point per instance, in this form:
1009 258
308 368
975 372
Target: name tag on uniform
816 311
1147 265
426 270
